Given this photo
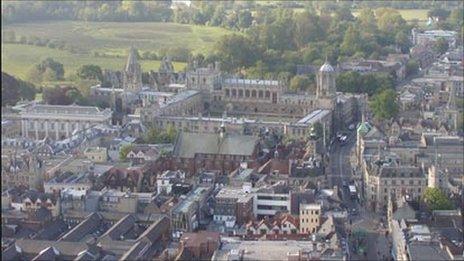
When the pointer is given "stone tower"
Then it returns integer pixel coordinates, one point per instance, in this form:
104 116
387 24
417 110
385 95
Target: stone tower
326 81
132 75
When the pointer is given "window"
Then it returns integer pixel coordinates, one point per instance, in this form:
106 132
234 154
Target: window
411 182
385 190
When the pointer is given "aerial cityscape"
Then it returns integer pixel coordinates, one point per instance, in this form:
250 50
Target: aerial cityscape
232 130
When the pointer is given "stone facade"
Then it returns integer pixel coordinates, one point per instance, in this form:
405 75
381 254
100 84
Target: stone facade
59 122
310 218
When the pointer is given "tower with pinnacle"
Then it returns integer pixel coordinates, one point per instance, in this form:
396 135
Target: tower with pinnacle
132 74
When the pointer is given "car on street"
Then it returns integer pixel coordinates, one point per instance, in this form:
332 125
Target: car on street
354 212
351 127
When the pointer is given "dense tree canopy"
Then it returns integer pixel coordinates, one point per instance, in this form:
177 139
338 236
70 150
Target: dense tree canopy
436 199
441 46
299 83
371 83
155 135
384 105
47 70
124 150
14 90
63 96
236 51
90 72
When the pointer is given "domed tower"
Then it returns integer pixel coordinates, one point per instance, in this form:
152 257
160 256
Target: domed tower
326 81
132 75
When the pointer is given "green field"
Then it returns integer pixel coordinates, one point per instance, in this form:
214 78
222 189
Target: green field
408 14
105 38
18 59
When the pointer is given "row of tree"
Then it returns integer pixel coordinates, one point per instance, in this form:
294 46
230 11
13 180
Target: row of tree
111 11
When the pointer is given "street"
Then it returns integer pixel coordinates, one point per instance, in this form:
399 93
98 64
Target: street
341 173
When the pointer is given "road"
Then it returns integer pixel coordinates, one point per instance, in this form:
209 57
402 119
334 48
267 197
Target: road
341 171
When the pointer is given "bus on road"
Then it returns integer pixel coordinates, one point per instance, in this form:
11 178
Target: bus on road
353 192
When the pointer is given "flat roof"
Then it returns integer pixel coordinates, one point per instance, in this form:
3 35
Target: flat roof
314 116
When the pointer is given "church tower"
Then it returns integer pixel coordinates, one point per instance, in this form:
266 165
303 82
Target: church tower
132 75
326 81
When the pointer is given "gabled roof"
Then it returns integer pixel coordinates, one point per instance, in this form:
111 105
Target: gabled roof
189 144
50 253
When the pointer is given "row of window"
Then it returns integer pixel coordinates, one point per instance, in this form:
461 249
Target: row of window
52 125
309 220
402 182
312 212
248 93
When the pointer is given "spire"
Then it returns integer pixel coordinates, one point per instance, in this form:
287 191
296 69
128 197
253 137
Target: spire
131 59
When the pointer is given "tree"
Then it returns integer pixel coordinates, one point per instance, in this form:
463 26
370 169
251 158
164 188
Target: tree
63 96
299 83
456 18
307 29
441 45
14 89
349 82
402 41
90 72
439 13
352 41
124 150
412 67
316 131
245 19
437 200
10 90
367 21
384 104
47 70
236 51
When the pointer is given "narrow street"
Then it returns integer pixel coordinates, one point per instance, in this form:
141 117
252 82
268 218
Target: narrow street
341 172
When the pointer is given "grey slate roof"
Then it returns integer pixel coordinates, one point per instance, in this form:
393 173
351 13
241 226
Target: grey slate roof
188 144
89 225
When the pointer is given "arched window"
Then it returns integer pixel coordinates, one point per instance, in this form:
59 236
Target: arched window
268 94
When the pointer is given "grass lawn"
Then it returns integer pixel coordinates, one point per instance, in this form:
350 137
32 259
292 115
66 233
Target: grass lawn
116 38
18 59
106 38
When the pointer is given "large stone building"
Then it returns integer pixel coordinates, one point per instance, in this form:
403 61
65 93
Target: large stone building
208 91
59 122
384 177
222 152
